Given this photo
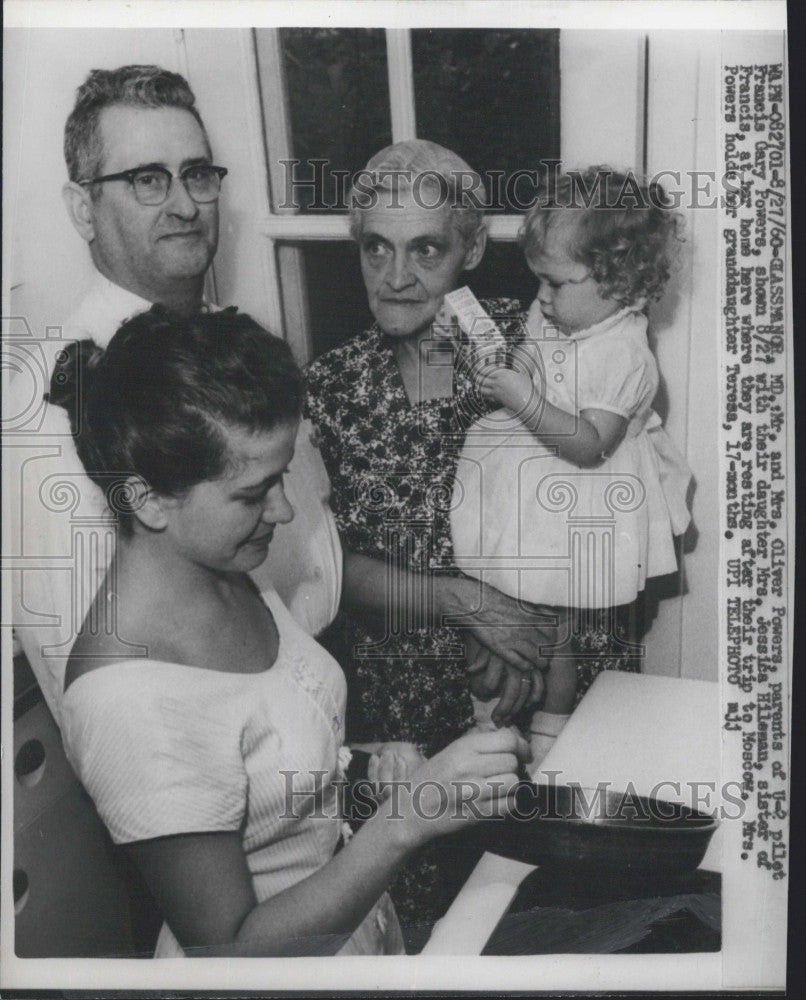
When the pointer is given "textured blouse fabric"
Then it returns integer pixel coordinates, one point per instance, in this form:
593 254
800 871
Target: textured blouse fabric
391 465
166 748
538 527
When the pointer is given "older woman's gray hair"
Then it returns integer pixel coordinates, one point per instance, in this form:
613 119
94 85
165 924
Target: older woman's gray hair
416 163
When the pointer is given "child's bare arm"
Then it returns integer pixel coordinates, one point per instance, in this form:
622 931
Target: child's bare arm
585 439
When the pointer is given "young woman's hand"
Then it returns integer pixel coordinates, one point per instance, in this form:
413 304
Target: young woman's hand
473 778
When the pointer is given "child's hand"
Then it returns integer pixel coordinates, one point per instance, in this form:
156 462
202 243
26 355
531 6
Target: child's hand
445 323
393 762
513 389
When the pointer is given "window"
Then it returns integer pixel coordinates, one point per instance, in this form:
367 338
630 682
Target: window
333 97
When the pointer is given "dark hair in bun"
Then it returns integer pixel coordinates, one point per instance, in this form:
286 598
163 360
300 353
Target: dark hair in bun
157 401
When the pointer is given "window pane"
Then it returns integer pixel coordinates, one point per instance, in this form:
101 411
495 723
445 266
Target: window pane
491 96
336 296
338 300
338 97
503 272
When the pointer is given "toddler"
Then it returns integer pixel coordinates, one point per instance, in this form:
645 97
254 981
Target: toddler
572 494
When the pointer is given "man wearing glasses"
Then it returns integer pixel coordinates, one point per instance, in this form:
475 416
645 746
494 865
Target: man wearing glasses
143 192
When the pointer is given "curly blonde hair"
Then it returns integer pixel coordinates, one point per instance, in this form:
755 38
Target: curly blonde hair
617 224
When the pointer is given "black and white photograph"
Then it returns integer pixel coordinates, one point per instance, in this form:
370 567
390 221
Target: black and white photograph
398 511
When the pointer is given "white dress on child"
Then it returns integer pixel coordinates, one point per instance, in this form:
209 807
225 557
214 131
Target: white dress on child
167 748
540 528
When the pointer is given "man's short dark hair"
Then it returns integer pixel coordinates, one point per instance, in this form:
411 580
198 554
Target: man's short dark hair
130 86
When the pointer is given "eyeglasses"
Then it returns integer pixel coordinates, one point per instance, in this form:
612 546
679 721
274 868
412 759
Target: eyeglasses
151 185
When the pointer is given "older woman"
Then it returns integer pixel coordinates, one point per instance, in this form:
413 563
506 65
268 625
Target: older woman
203 721
391 407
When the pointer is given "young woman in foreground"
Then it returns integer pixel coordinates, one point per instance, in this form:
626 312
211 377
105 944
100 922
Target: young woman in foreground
203 721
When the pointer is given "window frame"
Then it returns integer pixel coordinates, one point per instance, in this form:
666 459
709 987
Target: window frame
283 227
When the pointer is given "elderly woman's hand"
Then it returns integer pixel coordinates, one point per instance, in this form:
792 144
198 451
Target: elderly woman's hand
499 623
490 676
516 690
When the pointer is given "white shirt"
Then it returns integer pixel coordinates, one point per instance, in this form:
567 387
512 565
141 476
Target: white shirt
61 536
